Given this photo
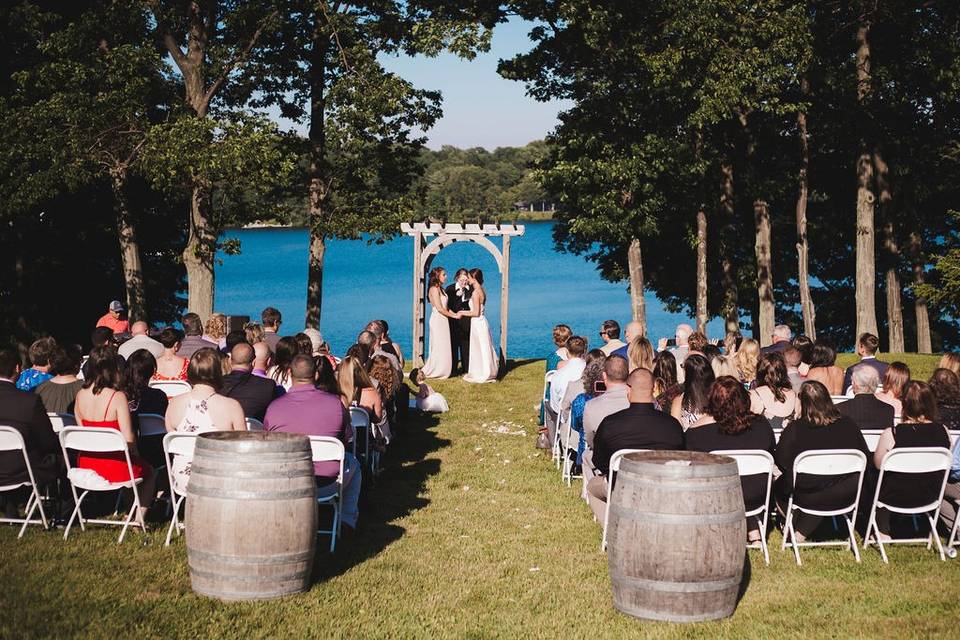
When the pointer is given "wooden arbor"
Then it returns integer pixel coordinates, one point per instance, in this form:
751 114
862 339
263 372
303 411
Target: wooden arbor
445 235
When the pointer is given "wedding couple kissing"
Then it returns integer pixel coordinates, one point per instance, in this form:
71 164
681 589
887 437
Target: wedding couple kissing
460 337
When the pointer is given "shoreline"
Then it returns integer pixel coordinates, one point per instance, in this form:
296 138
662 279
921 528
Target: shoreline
536 217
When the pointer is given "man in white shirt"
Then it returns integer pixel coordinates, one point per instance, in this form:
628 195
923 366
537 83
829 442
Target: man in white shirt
573 369
610 334
140 340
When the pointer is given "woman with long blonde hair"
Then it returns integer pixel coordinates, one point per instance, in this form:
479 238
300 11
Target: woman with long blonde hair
748 356
356 388
640 354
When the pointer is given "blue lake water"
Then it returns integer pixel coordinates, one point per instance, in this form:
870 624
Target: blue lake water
362 282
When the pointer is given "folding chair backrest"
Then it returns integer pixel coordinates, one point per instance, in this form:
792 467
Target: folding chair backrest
359 417
830 462
617 457
872 438
152 424
172 388
180 443
254 425
61 420
549 376
839 399
11 439
916 460
98 439
750 461
326 449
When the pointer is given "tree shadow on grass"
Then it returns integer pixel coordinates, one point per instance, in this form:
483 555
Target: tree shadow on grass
395 493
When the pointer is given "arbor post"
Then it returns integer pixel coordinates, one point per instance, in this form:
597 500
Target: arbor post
504 301
418 311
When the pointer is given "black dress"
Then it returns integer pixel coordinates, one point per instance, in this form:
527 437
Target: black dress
914 489
757 435
949 415
816 492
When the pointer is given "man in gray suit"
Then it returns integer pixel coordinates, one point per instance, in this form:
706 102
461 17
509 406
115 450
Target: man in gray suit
615 372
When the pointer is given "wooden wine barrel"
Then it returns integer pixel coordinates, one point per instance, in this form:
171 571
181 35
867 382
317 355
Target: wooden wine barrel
251 515
676 536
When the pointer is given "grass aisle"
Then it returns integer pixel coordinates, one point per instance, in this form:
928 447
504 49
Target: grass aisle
467 533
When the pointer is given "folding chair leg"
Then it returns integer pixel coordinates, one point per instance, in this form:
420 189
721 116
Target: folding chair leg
174 519
32 503
76 512
853 539
334 527
936 536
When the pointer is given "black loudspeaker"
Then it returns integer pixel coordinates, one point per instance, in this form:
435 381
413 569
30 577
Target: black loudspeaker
235 323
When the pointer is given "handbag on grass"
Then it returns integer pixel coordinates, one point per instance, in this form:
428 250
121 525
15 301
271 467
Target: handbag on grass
543 440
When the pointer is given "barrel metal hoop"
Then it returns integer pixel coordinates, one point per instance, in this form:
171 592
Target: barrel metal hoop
676 587
245 473
661 485
644 468
202 492
214 575
677 518
255 457
279 558
639 612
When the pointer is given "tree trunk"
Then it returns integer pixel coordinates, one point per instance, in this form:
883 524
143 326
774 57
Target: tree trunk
803 253
319 185
924 344
730 306
635 266
702 271
891 250
761 219
129 248
866 269
199 254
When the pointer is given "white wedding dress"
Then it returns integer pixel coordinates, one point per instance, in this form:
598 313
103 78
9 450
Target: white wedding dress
484 364
440 361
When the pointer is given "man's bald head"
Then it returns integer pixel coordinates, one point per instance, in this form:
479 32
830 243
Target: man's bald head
303 369
633 330
241 356
261 355
139 328
641 385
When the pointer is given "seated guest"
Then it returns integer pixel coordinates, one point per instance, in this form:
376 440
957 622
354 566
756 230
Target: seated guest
774 397
867 346
25 412
793 358
588 387
681 336
261 359
896 377
736 426
370 337
102 403
639 426
711 352
615 398
360 353
610 335
215 330
690 406
271 320
143 399
945 385
115 318
283 352
920 428
576 348
232 339
781 339
39 371
725 366
357 390
252 392
950 361
640 354
140 340
170 366
632 331
193 336
824 369
864 408
100 337
316 340
387 385
428 400
731 343
327 376
748 357
665 386
387 343
304 344
254 333
310 411
561 333
59 392
697 343
204 408
819 426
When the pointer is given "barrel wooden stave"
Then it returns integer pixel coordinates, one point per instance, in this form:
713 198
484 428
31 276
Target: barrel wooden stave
251 515
677 537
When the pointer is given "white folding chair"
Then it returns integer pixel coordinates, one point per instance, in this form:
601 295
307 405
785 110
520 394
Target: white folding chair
571 443
612 471
752 462
327 449
180 444
254 425
12 440
360 419
61 420
172 388
547 377
872 437
563 418
840 399
98 440
826 462
910 460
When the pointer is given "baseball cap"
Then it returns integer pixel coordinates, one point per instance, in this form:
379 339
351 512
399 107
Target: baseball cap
116 305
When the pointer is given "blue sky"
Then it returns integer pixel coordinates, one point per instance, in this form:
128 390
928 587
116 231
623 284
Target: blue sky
480 109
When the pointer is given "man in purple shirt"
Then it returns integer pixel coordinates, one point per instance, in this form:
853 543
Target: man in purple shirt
309 411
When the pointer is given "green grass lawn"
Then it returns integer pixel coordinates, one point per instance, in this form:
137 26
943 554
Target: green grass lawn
468 532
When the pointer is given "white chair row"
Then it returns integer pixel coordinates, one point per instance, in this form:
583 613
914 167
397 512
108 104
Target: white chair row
172 388
872 436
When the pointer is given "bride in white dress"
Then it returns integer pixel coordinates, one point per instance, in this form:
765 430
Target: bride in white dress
484 364
440 360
